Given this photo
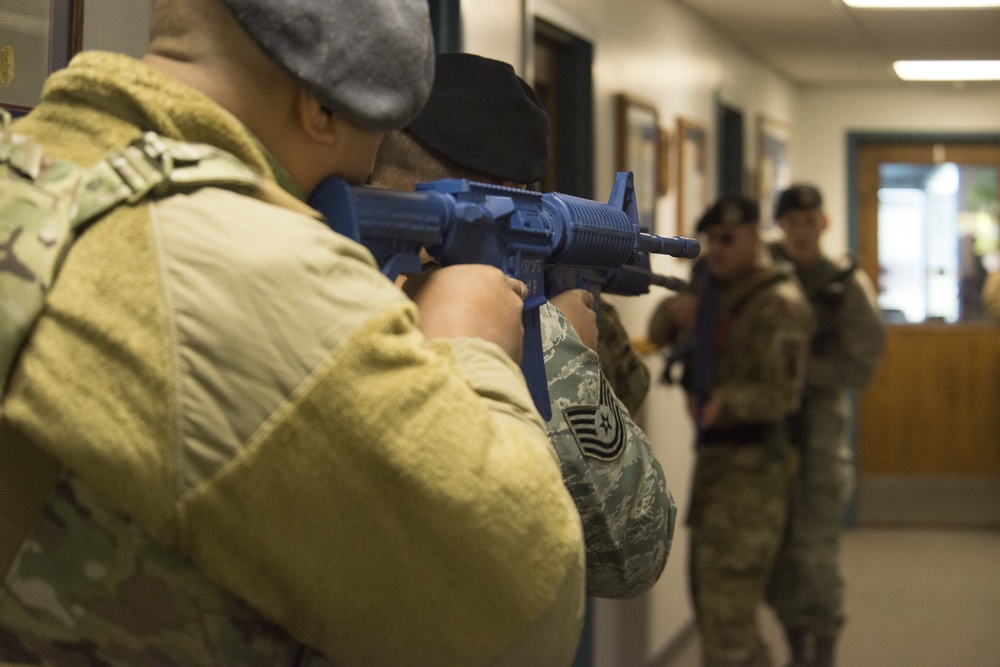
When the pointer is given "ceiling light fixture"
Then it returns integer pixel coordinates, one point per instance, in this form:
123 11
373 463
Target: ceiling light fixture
947 70
921 4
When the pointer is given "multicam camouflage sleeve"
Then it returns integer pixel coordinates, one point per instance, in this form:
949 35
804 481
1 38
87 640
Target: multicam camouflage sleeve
608 466
88 572
762 375
860 340
621 364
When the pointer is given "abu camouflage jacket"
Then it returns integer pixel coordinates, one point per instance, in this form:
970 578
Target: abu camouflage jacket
608 466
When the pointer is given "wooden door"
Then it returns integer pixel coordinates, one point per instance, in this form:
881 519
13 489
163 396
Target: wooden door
934 405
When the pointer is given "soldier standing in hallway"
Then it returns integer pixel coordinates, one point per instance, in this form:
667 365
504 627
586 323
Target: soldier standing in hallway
751 326
807 589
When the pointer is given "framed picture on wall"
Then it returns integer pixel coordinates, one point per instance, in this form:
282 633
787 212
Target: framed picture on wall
692 174
774 171
663 167
39 37
638 138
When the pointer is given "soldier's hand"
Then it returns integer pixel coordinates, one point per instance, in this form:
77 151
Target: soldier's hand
470 300
710 412
577 306
683 310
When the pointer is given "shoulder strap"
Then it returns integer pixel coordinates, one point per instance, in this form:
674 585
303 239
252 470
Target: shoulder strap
848 266
153 166
44 205
756 289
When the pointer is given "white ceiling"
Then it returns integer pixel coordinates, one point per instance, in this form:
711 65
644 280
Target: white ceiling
824 42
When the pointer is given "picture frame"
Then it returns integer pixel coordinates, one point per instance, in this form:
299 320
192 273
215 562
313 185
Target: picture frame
663 170
774 171
692 174
638 140
28 56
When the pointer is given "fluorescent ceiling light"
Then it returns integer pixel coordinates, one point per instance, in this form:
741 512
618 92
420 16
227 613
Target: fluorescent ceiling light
921 4
947 70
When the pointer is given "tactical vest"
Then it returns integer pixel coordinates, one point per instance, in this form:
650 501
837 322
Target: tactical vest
683 352
45 203
826 302
825 298
100 570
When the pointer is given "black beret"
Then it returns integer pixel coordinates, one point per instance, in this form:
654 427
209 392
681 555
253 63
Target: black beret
798 197
370 62
730 211
482 116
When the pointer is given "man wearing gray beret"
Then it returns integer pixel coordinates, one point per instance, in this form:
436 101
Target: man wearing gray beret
228 439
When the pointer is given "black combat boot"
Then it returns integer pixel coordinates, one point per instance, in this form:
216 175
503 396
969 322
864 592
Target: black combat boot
824 650
798 644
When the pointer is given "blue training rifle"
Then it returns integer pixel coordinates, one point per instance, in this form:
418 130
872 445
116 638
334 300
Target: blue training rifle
518 231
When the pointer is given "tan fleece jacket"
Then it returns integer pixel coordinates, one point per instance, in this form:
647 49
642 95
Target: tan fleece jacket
247 386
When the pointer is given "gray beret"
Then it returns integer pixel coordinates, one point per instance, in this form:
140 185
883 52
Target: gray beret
482 116
368 61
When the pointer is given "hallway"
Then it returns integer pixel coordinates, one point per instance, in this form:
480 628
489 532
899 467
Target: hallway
915 598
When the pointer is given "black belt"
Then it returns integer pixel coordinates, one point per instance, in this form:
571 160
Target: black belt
747 433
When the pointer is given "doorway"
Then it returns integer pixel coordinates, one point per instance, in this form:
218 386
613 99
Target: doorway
928 426
563 63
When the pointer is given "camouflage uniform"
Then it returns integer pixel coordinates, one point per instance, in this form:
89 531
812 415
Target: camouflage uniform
806 589
107 570
608 466
383 498
744 465
622 366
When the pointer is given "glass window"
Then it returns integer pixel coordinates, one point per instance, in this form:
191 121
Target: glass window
938 240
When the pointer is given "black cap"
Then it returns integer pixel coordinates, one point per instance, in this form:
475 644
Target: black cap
370 62
482 116
730 212
799 197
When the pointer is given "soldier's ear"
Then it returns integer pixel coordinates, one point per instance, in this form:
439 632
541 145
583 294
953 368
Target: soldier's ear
318 123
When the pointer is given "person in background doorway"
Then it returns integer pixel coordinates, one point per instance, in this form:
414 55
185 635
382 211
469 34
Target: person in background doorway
991 296
484 123
807 589
750 325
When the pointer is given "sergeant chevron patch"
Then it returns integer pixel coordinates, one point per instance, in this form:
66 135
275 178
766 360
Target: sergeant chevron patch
598 429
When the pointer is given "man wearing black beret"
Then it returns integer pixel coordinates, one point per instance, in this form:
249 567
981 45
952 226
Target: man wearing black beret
749 325
807 588
484 123
229 440
485 118
481 122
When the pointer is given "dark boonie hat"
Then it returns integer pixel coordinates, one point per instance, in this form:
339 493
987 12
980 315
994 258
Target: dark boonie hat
799 197
482 116
370 62
730 212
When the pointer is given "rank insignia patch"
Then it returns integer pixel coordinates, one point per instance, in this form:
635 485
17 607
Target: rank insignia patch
598 429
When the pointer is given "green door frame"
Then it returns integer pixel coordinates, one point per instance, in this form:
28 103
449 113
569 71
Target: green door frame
855 140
